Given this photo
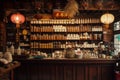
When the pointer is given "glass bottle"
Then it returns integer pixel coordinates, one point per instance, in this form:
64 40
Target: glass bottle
12 49
19 51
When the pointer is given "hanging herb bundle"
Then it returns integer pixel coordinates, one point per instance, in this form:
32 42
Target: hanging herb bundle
71 9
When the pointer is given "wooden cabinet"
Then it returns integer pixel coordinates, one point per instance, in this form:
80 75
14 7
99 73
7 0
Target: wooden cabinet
2 36
51 40
55 34
65 69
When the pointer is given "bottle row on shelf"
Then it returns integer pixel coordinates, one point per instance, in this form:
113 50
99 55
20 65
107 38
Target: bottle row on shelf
24 44
66 21
59 54
84 36
61 28
56 45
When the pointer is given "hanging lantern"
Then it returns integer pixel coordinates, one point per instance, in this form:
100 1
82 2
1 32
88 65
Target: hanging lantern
18 19
107 19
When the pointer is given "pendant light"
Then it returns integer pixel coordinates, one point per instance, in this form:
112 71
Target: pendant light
18 19
107 19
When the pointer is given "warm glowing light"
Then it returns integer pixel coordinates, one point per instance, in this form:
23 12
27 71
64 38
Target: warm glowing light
24 32
107 18
17 18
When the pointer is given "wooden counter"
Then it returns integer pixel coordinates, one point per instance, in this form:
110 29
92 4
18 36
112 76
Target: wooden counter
66 69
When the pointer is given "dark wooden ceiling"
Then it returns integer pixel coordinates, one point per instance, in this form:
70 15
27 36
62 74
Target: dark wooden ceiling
28 6
8 4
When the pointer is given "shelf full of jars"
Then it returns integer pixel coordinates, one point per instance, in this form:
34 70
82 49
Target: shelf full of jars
56 35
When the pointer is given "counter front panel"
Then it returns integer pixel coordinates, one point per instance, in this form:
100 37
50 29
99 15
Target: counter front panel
66 69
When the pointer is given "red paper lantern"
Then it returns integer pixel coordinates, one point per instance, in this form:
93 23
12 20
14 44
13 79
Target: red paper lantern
17 18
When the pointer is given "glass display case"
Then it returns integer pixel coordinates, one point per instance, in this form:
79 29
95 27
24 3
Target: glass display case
117 26
117 37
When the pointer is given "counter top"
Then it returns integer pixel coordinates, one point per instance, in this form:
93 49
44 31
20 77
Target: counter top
69 60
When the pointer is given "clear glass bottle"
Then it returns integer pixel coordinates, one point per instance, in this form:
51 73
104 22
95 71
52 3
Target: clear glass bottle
12 49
